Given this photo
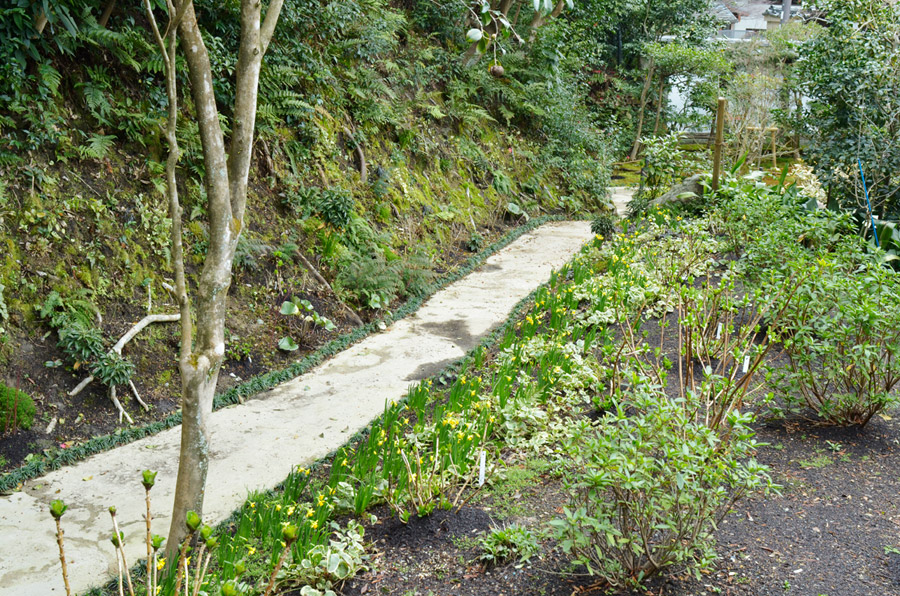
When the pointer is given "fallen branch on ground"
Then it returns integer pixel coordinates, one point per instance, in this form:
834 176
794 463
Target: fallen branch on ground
117 349
309 267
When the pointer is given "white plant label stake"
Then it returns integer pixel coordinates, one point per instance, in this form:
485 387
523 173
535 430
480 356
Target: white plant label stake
481 468
719 331
746 363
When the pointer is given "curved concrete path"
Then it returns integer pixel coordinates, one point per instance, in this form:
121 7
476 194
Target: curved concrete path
620 196
256 444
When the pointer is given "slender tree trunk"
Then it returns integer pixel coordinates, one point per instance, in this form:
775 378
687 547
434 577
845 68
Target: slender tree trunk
540 18
107 12
659 104
640 126
226 188
785 11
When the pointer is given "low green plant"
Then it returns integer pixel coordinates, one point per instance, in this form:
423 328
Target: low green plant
306 312
604 225
371 280
503 544
249 251
325 567
16 409
842 338
112 369
475 242
648 485
417 274
81 342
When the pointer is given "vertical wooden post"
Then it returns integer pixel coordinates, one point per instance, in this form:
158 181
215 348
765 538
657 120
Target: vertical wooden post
717 153
774 131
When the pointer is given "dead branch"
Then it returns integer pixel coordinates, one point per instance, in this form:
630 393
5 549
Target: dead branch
309 267
148 320
115 401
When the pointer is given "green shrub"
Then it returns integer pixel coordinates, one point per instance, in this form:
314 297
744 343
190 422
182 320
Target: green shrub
604 225
417 274
14 400
648 487
249 251
82 343
842 338
506 543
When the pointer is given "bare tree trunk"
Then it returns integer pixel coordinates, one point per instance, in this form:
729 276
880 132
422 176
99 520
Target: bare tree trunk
659 104
107 12
226 185
640 127
785 11
540 18
40 21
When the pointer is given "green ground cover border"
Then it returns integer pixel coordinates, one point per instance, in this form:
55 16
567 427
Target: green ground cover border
487 342
62 457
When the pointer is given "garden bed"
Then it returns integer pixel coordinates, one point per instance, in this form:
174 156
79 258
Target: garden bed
653 423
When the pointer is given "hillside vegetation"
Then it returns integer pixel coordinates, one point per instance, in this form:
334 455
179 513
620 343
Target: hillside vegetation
382 159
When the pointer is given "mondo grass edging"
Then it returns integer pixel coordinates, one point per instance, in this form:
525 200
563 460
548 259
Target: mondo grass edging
487 342
57 458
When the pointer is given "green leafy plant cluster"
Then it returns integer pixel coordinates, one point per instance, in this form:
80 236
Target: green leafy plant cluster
842 338
82 342
507 543
839 330
306 312
325 567
648 488
16 409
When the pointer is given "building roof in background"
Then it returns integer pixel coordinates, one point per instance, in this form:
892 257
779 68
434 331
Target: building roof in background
724 13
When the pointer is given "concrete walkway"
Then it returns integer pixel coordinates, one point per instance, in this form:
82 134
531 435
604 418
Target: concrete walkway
256 444
620 196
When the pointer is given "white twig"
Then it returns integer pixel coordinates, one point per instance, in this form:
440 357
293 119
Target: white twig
84 383
115 401
137 396
148 320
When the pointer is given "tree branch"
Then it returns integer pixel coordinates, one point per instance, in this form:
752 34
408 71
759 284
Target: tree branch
268 26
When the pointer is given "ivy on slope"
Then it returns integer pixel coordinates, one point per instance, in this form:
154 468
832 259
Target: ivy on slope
58 458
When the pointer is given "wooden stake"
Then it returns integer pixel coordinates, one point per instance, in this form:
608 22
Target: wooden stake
720 133
774 131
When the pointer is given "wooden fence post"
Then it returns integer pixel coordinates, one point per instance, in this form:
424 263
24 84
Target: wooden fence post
720 134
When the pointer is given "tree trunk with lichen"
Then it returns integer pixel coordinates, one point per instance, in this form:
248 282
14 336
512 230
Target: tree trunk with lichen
226 184
648 82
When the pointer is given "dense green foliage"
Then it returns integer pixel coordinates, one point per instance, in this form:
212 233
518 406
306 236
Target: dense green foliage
16 409
648 490
839 325
851 73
